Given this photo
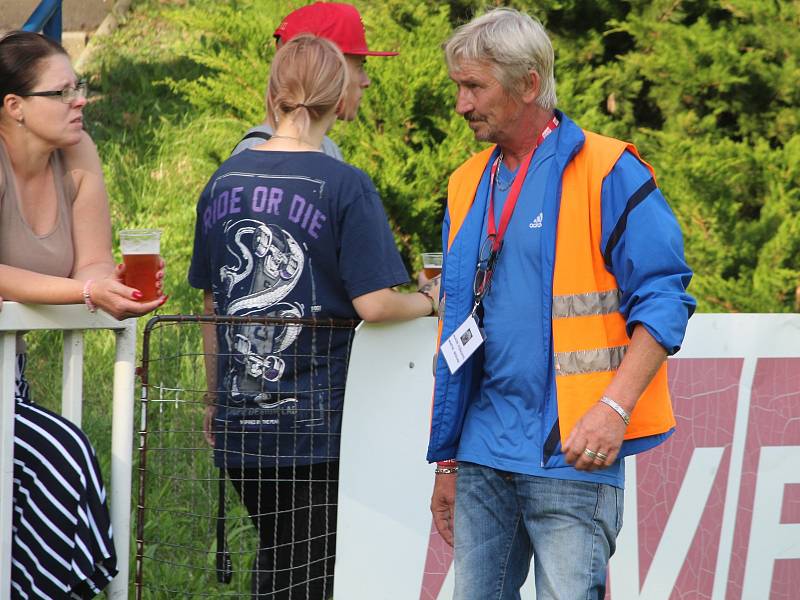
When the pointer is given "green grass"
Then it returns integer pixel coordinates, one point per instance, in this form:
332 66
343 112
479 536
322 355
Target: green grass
181 483
157 153
173 90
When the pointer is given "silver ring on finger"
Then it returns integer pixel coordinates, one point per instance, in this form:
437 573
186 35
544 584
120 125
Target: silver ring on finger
590 453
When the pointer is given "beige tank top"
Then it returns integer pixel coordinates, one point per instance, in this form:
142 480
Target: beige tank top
52 253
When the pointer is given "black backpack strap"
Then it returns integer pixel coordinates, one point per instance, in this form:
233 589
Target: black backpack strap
255 134
224 563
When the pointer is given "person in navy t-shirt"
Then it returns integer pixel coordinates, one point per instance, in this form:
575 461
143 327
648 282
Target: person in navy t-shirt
285 231
291 235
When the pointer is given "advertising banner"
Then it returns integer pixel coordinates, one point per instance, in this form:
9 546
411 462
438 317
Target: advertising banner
714 513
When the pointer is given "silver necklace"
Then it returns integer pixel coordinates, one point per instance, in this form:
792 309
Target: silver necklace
296 139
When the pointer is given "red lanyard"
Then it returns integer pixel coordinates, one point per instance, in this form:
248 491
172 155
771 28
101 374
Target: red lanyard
511 201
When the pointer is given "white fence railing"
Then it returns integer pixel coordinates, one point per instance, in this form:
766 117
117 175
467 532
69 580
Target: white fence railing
73 320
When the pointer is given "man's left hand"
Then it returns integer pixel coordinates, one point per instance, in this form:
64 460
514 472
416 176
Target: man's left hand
599 432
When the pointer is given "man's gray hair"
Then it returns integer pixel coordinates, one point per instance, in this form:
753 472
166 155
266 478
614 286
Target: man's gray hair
514 43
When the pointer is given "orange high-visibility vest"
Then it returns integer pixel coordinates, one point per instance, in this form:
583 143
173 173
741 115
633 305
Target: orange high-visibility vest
589 336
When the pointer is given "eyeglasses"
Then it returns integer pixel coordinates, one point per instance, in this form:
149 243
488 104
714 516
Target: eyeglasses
487 259
68 95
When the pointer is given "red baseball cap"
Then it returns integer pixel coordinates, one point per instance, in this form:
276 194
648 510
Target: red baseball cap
339 23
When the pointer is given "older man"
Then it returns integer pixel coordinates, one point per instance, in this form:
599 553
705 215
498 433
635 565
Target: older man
340 23
565 284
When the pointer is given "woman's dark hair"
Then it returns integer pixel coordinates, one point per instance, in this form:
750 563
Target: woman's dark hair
20 55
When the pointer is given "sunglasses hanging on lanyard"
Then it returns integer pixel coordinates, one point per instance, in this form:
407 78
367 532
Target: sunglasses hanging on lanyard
468 337
490 249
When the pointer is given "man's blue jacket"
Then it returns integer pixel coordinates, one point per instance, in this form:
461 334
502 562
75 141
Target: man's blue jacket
652 294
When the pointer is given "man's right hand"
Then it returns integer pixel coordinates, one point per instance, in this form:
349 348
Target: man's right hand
443 504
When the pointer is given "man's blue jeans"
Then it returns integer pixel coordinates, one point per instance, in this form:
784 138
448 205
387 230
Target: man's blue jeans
503 519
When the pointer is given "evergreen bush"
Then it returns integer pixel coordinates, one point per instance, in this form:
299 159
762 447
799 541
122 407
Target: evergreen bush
706 90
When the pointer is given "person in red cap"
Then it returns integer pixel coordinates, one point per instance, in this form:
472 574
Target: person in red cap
340 23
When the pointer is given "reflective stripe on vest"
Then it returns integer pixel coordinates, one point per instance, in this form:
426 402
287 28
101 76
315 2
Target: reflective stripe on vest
582 362
583 305
594 360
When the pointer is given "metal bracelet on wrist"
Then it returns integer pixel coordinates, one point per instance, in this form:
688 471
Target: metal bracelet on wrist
446 470
87 296
624 415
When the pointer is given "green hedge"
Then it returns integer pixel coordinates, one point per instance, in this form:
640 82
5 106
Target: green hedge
706 90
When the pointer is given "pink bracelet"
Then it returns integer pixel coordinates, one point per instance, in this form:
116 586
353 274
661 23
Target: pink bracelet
87 296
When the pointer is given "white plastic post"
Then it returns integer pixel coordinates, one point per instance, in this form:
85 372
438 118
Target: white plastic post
121 455
8 350
73 319
72 377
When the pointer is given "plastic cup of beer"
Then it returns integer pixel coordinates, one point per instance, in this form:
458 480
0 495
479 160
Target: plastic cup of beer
431 264
141 255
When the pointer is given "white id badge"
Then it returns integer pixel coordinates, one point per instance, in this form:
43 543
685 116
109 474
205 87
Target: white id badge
462 344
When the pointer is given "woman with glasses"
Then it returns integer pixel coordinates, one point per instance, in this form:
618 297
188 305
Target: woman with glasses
55 248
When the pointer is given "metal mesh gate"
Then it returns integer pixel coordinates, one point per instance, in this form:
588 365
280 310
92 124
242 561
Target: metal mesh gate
275 415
